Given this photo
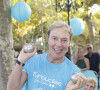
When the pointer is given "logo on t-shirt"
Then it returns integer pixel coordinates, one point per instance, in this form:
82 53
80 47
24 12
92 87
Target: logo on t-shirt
46 81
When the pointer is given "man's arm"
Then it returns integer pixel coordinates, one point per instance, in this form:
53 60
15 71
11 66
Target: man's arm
98 58
17 78
23 79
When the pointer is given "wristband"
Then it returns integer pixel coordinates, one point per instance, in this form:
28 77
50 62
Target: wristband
18 62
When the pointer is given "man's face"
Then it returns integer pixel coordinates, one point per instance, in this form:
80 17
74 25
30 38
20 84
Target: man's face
58 41
89 49
89 86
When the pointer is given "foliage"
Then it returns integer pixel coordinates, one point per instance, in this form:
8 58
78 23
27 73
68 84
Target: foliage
44 13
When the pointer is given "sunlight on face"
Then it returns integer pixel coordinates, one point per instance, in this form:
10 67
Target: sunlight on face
58 41
80 52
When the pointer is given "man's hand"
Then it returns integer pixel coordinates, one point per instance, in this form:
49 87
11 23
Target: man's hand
23 56
80 82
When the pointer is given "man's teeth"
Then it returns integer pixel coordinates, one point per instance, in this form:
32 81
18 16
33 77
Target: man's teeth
58 50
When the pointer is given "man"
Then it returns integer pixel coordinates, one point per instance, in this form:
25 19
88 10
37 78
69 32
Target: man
90 84
93 57
48 71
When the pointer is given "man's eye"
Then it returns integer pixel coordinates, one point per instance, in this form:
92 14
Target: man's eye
54 38
65 40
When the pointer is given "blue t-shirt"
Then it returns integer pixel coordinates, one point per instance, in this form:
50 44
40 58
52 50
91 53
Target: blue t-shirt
94 61
44 75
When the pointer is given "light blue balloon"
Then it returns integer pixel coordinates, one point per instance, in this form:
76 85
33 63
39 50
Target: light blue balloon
21 11
77 25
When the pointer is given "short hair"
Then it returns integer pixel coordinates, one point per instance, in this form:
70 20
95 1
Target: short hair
90 45
62 24
92 80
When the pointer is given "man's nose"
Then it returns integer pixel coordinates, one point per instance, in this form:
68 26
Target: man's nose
59 43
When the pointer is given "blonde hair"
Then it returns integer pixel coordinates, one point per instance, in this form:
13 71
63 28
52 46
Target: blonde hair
81 48
62 24
92 80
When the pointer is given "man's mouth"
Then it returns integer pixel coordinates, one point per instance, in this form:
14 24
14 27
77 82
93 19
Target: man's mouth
57 50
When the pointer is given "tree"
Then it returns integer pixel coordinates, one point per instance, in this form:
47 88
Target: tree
42 11
6 43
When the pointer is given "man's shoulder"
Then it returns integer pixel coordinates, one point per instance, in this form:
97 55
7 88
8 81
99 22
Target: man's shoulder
37 57
86 55
44 55
70 63
96 53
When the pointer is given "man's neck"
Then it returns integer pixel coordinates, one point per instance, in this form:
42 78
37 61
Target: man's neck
53 60
90 54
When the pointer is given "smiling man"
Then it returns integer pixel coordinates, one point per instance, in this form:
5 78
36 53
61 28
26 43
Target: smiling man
94 58
48 71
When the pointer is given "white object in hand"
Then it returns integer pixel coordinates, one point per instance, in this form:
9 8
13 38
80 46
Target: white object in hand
74 79
28 48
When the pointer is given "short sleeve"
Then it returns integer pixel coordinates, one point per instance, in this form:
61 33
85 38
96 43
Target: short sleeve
28 62
76 69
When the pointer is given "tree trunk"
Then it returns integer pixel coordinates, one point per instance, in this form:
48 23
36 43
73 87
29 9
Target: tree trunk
90 26
6 43
75 49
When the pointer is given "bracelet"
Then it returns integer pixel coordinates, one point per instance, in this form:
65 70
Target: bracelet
18 62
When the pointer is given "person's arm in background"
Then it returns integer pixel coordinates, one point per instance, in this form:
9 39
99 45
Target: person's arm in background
87 64
99 63
75 60
18 77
